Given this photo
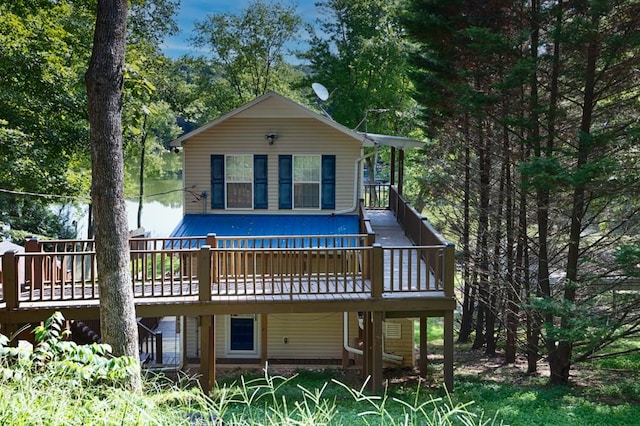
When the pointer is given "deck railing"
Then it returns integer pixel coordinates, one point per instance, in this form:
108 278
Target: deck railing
258 266
285 271
417 227
376 196
421 233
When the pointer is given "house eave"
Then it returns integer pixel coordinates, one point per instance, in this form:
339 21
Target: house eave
360 137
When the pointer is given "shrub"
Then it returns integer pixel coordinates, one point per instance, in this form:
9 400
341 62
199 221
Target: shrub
54 356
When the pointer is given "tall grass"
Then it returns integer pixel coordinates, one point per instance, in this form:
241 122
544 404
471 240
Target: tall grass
60 383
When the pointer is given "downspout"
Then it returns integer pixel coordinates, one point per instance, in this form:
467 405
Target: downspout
396 359
356 182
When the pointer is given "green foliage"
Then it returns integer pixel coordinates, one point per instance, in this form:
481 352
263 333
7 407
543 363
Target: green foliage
248 53
628 258
53 357
317 398
44 51
359 53
532 403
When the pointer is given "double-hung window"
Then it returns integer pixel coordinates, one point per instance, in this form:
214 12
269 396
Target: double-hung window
239 181
306 181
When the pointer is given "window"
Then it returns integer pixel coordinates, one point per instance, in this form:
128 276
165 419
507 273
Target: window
239 181
306 181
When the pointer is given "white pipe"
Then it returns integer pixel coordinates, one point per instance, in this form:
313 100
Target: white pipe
356 182
396 359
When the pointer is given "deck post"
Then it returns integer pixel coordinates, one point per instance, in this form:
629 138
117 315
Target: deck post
207 353
448 350
204 274
366 347
158 341
10 279
372 351
400 172
392 174
449 269
423 347
212 242
377 271
264 339
33 264
376 352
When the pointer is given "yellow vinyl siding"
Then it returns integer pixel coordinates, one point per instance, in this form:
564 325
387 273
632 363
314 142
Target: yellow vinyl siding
309 336
240 135
403 346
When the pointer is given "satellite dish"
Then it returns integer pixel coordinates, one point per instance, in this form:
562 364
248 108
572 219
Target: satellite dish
320 91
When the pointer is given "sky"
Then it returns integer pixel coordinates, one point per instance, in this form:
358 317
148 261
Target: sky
190 11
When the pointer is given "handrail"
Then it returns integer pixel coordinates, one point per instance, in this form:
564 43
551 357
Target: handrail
336 268
156 342
417 227
376 196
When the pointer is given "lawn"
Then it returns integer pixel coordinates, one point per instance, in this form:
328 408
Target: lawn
59 383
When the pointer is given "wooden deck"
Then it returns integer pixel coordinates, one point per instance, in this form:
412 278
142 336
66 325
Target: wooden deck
379 271
345 272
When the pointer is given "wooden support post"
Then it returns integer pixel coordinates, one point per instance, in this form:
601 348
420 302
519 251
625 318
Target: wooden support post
448 350
264 339
207 353
400 171
369 240
377 271
204 274
372 351
392 174
33 265
159 349
366 346
449 269
423 347
376 352
212 242
10 285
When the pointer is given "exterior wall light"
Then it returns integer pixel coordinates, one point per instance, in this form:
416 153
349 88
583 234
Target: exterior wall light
271 137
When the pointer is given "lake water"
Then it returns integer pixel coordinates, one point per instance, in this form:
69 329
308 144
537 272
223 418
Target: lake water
161 209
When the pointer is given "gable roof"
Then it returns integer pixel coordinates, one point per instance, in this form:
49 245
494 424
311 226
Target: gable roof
366 141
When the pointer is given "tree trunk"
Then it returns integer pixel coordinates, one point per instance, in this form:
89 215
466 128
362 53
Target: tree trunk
512 292
468 300
484 291
104 80
560 357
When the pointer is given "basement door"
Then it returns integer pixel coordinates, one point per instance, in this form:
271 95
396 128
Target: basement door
242 336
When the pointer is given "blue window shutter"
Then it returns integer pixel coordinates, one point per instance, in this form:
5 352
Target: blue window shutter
217 181
285 181
260 188
328 182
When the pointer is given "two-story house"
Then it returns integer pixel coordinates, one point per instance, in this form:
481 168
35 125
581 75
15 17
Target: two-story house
275 168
